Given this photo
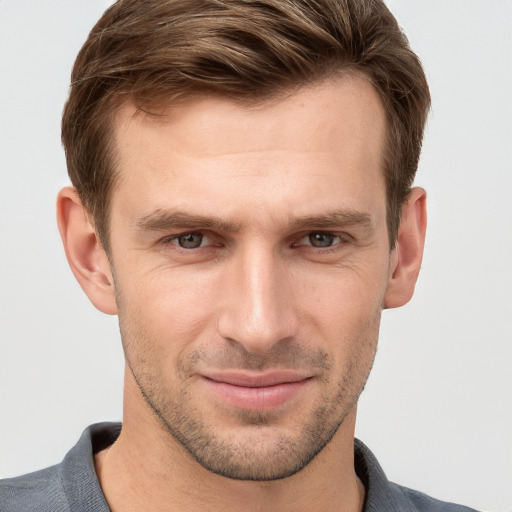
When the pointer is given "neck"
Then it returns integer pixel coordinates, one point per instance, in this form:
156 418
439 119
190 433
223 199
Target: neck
147 469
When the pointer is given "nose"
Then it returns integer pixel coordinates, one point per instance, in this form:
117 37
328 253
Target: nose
257 302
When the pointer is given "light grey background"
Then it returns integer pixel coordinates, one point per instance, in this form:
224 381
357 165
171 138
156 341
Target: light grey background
437 409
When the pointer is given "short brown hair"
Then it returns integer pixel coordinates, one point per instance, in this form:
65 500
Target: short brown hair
162 51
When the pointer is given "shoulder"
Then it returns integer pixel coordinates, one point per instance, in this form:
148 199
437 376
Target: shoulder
38 492
71 486
416 501
385 496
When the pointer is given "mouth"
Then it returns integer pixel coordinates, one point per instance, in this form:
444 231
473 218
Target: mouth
256 391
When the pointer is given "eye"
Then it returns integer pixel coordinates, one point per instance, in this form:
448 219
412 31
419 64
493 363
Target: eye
188 240
320 239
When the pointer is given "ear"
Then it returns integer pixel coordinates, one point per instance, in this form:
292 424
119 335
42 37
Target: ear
84 251
405 261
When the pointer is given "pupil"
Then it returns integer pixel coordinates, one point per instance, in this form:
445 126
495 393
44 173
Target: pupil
321 239
190 241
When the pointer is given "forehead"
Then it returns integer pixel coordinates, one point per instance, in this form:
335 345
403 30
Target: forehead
281 151
349 101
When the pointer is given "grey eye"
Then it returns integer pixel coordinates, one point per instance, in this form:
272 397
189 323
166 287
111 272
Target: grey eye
322 239
190 240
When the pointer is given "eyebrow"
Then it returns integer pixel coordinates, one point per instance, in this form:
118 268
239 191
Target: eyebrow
336 218
163 220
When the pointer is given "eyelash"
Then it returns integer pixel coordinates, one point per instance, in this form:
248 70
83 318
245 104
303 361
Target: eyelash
173 240
342 238
324 234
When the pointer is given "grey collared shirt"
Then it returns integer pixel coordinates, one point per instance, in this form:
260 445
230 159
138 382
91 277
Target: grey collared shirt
72 485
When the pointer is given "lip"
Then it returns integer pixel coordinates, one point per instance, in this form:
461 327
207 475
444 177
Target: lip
256 391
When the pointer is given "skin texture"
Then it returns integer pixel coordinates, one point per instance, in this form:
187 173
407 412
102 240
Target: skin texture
249 242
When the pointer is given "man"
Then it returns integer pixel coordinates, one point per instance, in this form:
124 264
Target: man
242 200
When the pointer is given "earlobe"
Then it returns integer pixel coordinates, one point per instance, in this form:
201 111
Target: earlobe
407 255
85 254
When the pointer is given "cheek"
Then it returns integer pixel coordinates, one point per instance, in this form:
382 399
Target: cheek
165 310
341 296
170 311
343 312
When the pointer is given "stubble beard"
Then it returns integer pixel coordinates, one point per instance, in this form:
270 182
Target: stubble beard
263 451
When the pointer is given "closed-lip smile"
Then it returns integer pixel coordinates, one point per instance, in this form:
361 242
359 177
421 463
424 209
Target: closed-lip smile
256 390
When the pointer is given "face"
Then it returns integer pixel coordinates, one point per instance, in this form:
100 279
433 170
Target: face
250 258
